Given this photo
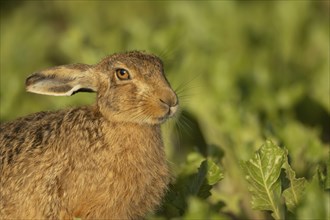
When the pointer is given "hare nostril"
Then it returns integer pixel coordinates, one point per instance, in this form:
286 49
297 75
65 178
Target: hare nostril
170 103
161 100
169 100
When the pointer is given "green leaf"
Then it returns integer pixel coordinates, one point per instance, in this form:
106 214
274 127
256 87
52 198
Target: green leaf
293 194
214 172
199 209
196 178
192 163
208 174
262 173
315 202
327 183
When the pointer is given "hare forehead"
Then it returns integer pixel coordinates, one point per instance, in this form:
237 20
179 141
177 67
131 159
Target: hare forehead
148 81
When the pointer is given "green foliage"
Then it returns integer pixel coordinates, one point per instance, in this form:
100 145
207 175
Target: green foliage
266 187
198 209
262 173
245 72
315 203
327 185
194 182
293 194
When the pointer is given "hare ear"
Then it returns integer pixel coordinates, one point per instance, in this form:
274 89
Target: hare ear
63 80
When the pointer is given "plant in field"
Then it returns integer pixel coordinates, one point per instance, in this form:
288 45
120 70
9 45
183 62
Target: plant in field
271 190
194 183
271 181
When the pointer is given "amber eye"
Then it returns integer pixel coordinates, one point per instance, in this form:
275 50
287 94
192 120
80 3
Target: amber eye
122 74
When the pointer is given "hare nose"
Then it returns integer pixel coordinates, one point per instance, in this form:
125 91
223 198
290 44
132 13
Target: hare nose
170 100
169 103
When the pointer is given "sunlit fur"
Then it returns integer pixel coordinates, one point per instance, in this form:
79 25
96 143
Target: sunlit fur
104 161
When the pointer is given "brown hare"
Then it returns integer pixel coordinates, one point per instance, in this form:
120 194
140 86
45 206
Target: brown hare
104 161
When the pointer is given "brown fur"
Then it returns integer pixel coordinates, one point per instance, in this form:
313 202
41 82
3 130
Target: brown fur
104 161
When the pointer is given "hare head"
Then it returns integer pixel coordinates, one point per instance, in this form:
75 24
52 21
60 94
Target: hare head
131 87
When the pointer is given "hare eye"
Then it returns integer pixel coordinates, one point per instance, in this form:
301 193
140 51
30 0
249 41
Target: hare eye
122 74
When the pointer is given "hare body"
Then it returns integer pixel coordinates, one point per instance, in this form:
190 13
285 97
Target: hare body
89 162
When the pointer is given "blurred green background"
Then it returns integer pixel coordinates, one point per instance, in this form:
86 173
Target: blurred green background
245 71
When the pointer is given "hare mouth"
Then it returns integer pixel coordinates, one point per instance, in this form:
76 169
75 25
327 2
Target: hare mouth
173 110
169 114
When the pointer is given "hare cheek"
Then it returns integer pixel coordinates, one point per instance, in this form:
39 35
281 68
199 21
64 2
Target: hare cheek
143 90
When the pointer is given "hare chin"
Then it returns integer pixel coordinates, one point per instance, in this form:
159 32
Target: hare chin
171 112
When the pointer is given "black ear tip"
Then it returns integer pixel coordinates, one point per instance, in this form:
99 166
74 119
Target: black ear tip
35 77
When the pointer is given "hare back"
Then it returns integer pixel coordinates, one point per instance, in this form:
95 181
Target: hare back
35 132
35 152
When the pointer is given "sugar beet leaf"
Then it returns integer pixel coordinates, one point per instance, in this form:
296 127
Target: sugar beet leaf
262 173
